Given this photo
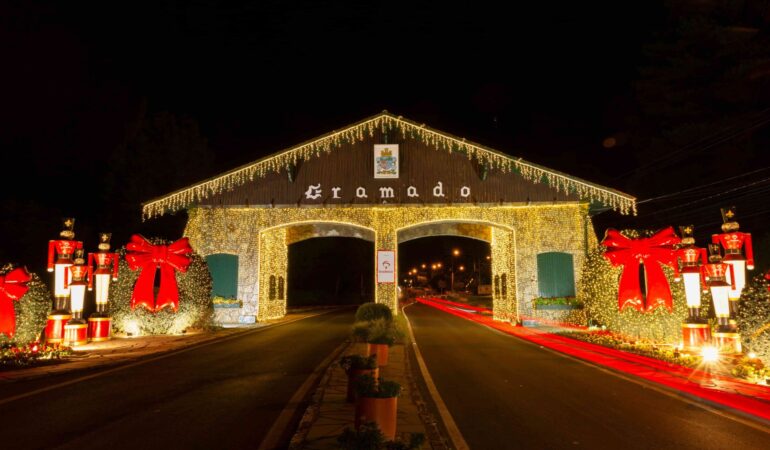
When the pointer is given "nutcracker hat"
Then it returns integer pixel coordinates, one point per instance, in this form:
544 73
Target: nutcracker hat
104 241
687 234
715 253
728 220
68 224
79 257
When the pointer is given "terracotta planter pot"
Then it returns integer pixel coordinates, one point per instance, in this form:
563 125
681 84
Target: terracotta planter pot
354 375
381 350
381 411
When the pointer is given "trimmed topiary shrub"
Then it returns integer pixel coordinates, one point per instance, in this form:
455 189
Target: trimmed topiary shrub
599 293
196 310
31 310
754 318
373 311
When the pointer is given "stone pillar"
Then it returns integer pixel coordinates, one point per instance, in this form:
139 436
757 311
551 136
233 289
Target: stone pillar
504 295
248 280
386 239
273 263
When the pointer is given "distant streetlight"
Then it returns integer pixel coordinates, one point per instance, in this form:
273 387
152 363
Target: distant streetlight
423 266
455 253
462 268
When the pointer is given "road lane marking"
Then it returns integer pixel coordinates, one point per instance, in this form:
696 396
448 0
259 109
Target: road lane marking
163 356
735 415
454 432
279 427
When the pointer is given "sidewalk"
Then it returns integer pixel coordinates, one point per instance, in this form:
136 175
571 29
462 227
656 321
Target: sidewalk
126 350
330 414
717 389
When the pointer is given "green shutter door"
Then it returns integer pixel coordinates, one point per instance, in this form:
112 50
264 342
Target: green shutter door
555 275
224 273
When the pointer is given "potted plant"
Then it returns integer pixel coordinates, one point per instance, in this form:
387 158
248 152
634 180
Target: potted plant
356 366
377 402
369 437
381 335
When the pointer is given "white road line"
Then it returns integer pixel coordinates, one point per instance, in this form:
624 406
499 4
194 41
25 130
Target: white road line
446 417
145 361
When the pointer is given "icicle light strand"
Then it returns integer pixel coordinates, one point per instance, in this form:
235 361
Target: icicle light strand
181 199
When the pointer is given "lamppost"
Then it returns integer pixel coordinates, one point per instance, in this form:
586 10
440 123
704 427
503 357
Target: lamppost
695 331
455 253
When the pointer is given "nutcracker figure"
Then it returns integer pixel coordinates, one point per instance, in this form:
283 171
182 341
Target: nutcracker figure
62 249
106 267
76 280
695 330
716 273
733 241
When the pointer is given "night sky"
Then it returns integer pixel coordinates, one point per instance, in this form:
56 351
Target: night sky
106 105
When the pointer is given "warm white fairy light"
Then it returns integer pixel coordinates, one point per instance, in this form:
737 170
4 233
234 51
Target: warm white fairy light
259 236
356 133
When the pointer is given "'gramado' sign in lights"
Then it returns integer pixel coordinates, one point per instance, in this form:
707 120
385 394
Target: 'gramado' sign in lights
316 191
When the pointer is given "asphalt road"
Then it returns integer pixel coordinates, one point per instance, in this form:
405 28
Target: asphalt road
505 393
221 396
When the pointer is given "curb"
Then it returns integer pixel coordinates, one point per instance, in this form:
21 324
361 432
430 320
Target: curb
311 412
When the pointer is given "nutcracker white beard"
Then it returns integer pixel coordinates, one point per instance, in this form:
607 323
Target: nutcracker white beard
59 289
102 287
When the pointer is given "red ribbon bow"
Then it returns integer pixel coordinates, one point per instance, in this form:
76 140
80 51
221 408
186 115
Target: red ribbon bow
13 286
651 252
142 254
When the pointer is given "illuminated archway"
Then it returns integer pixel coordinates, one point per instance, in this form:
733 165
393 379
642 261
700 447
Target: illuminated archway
389 176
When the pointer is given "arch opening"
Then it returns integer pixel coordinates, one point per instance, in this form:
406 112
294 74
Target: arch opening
330 271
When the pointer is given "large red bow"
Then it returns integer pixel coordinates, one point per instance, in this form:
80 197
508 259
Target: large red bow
13 286
651 252
148 257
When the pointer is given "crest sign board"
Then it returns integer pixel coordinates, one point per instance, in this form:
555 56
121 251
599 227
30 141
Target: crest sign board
386 161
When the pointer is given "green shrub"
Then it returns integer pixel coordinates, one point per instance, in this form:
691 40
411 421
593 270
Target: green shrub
31 310
599 293
369 437
367 386
754 318
196 310
360 331
358 362
373 311
13 357
383 332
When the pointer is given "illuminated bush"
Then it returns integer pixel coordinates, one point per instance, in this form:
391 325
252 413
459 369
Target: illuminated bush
373 311
196 309
31 310
754 318
599 292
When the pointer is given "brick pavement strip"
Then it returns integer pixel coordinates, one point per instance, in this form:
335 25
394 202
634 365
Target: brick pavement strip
329 414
